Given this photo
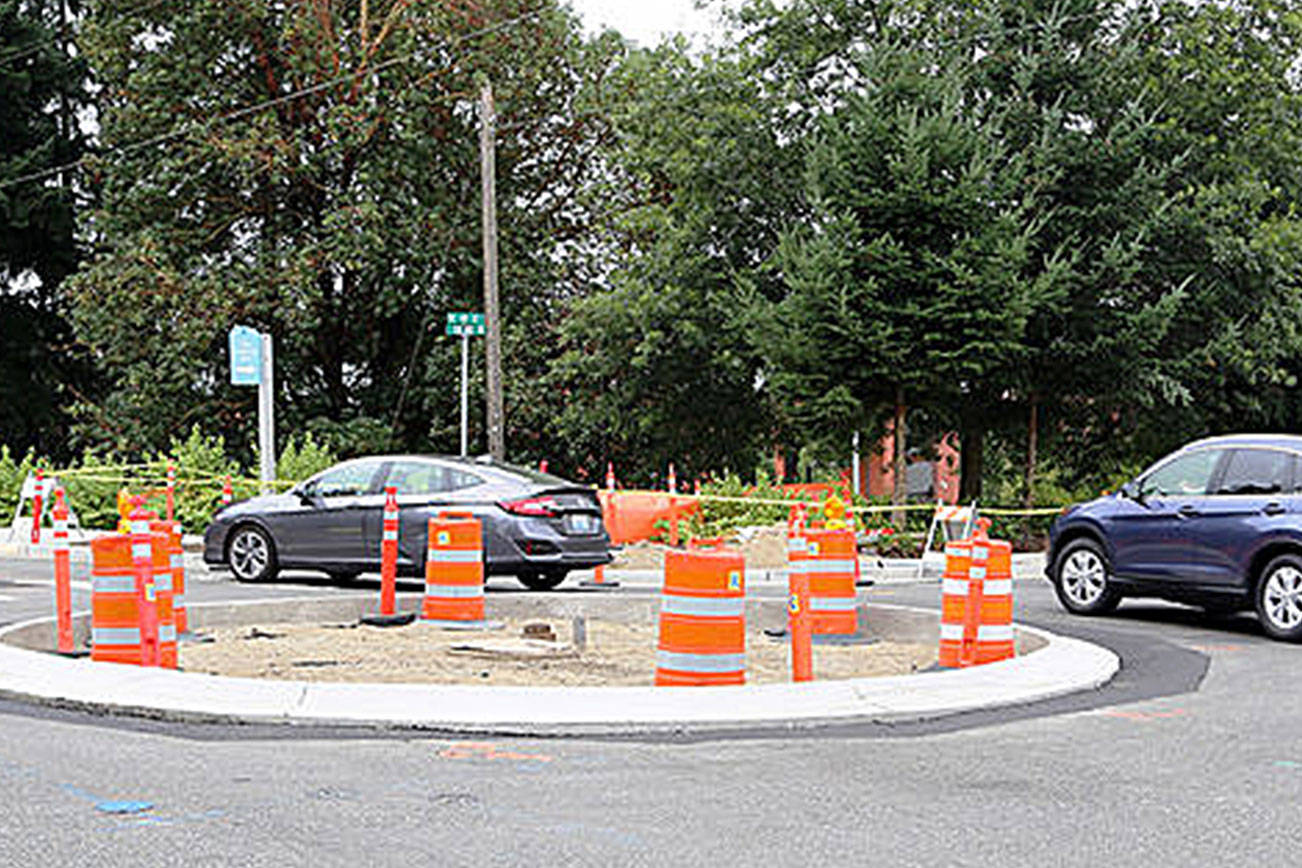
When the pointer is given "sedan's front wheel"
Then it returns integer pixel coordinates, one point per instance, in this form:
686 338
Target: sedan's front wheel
1279 598
1081 579
251 555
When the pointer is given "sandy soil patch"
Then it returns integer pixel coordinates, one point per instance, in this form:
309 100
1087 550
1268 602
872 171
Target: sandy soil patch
762 547
615 654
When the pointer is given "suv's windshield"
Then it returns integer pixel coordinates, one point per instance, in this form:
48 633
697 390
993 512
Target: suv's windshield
1186 475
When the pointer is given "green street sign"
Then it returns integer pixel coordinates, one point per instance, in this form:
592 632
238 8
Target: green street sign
465 324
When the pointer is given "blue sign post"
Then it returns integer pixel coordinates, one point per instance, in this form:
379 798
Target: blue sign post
246 356
253 364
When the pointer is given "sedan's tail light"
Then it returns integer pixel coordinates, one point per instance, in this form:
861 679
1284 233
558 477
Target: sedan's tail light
541 506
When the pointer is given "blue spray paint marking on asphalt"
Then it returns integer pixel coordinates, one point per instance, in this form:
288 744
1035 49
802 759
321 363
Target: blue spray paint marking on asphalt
110 806
1288 764
127 807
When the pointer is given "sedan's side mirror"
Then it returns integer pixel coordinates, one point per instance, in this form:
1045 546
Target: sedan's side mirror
306 495
1133 491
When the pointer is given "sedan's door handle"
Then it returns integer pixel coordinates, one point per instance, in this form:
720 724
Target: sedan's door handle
1188 510
1273 508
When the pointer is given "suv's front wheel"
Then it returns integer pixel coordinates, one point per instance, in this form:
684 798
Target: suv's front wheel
1082 579
1279 598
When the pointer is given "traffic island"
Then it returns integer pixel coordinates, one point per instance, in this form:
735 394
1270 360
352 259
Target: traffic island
1048 666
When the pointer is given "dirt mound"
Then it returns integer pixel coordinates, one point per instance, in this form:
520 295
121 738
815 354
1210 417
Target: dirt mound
613 654
763 547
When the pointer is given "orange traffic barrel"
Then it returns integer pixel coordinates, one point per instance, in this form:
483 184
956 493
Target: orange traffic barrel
954 597
830 562
454 570
176 563
702 620
114 610
994 639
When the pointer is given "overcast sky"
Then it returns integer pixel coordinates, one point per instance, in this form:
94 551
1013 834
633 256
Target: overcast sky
647 21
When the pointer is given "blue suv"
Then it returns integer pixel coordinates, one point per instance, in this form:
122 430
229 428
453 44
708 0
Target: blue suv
1217 524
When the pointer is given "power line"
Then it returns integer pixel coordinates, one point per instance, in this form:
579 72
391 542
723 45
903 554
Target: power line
486 31
19 53
262 106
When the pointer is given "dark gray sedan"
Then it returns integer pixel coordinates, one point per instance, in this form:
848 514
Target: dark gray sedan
536 527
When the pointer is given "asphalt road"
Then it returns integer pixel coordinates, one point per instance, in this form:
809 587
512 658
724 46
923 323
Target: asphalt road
1192 757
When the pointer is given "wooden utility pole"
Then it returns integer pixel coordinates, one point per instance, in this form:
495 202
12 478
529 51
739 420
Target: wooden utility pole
900 489
492 315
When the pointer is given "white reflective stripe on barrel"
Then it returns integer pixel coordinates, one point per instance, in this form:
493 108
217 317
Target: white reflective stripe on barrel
977 572
825 567
460 591
113 584
177 561
705 607
998 587
954 587
700 662
140 527
797 544
455 556
831 604
166 632
141 551
994 633
163 581
951 632
390 535
980 553
957 551
115 635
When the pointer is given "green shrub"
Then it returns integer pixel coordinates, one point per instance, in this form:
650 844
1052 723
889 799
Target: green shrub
92 490
298 461
201 463
12 474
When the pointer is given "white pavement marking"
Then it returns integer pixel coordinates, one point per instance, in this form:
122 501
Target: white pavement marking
49 583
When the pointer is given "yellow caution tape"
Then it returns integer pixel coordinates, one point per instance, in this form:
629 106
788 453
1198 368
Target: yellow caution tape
858 510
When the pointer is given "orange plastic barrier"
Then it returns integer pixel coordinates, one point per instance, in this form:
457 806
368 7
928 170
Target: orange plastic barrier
702 620
114 610
832 556
976 624
631 516
62 575
454 570
953 602
176 564
994 639
800 626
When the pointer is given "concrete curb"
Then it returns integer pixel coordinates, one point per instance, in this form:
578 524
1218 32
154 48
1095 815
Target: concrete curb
1064 665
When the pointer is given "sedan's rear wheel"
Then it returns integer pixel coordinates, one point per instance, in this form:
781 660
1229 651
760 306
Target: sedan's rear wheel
1279 598
542 581
251 554
1081 579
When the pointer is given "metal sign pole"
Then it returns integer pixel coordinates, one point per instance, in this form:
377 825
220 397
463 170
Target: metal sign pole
465 393
856 469
267 417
